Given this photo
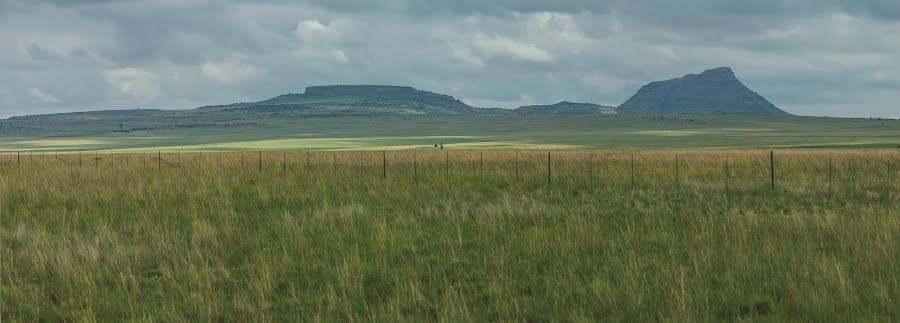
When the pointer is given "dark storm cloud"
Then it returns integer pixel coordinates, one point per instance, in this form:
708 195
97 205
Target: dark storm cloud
824 57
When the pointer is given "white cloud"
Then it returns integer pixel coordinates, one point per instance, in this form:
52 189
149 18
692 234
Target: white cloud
314 31
486 51
465 54
228 72
43 96
140 84
555 26
497 45
340 57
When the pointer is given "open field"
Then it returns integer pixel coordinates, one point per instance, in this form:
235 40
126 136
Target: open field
453 235
461 132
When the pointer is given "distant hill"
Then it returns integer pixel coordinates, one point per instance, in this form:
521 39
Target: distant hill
356 100
565 108
714 91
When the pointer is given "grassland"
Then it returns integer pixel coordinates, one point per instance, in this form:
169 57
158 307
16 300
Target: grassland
458 235
481 132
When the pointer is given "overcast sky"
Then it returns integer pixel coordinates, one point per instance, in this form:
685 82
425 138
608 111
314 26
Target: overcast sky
809 57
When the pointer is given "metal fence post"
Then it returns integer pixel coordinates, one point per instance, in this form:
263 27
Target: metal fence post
772 168
549 181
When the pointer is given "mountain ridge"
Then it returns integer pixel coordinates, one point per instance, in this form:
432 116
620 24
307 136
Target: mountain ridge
714 91
356 99
565 108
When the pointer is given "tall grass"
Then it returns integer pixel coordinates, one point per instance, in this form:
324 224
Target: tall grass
451 235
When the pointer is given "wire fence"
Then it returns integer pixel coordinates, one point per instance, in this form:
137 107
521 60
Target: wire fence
868 170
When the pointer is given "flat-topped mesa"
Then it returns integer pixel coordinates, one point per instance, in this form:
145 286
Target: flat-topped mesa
345 90
565 108
714 91
725 71
360 100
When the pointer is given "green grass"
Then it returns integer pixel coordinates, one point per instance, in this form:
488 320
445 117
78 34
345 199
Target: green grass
450 236
483 132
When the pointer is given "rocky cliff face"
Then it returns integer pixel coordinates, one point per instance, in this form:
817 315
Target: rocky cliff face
714 91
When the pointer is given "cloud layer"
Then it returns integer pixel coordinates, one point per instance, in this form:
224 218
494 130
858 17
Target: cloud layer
810 57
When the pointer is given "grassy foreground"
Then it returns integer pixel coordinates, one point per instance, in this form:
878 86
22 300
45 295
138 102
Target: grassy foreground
452 236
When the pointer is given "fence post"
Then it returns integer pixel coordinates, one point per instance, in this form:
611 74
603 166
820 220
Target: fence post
887 178
549 182
283 161
159 159
79 159
830 177
447 164
772 168
242 159
481 166
727 188
384 163
18 157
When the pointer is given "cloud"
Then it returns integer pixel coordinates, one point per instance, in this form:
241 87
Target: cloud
464 54
340 57
135 82
310 29
228 72
502 46
807 56
43 97
314 32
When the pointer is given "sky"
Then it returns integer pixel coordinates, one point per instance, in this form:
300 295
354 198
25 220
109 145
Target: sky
809 57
